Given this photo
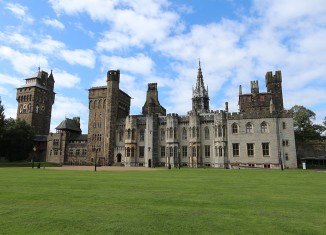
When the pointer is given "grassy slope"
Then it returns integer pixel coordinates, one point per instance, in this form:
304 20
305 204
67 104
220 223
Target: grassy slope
186 201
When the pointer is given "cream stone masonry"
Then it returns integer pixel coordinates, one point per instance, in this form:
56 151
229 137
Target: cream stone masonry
260 135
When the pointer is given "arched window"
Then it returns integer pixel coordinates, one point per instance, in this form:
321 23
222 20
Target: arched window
128 152
184 133
171 151
121 135
175 133
129 134
249 128
235 128
224 130
220 151
206 133
95 104
132 152
264 127
219 130
193 132
100 104
171 133
142 135
162 134
133 134
90 104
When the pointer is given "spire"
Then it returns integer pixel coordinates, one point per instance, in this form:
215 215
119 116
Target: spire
200 93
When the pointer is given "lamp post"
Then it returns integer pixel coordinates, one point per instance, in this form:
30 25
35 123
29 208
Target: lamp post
34 149
179 160
95 159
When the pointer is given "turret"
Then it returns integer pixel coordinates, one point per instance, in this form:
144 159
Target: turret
152 104
274 86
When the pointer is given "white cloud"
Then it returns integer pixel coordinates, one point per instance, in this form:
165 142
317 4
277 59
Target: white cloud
67 107
48 45
65 80
54 23
21 12
23 63
9 80
16 38
133 24
82 57
139 64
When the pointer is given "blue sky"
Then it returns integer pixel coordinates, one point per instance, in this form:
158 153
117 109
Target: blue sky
161 41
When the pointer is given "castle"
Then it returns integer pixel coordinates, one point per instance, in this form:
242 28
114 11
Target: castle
259 135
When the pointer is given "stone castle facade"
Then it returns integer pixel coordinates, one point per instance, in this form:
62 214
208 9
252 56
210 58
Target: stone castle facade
259 135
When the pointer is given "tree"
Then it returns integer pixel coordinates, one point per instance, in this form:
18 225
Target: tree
304 128
17 140
2 116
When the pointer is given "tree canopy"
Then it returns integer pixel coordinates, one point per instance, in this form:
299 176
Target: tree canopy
304 128
16 138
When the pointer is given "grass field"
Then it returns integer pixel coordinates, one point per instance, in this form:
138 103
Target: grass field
186 201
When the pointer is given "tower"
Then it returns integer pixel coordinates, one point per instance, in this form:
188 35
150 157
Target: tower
152 105
274 86
35 100
112 108
200 99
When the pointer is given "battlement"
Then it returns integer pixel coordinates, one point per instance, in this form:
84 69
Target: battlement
113 75
152 86
172 115
270 78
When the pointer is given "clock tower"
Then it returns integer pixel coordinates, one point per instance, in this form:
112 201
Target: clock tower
35 100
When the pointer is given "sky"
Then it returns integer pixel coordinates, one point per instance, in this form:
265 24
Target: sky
161 41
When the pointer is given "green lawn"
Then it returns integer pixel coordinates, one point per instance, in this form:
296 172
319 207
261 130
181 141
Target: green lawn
186 201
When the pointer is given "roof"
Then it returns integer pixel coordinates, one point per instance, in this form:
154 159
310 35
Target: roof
69 125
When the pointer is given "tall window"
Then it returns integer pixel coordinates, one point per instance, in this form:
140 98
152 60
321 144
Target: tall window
133 134
220 151
249 128
207 151
206 133
235 128
129 134
77 152
219 130
175 151
265 147
84 152
184 151
142 135
236 149
171 151
121 135
264 127
128 152
194 152
171 133
132 152
175 133
141 151
162 151
184 133
284 125
250 150
193 132
162 134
